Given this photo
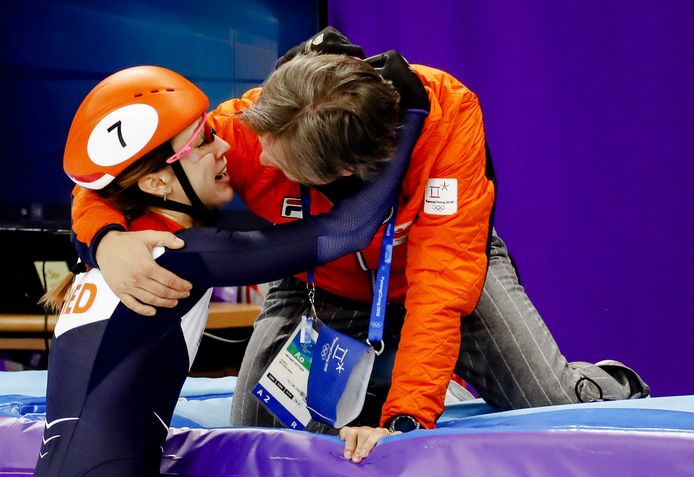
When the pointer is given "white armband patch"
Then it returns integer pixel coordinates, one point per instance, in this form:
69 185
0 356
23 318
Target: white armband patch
441 197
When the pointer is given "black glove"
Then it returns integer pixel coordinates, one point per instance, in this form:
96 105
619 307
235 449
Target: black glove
394 68
327 41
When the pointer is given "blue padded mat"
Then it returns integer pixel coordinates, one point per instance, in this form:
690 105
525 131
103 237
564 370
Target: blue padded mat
643 437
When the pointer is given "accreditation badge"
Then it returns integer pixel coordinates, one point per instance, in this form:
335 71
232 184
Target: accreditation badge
282 388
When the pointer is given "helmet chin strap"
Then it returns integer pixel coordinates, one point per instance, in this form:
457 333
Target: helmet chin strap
187 187
197 210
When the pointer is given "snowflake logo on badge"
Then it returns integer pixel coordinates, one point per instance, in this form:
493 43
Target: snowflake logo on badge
324 352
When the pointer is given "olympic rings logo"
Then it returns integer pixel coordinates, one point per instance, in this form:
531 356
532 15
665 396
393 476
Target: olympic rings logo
438 207
324 352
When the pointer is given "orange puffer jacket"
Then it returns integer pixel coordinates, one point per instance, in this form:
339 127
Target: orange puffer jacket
442 227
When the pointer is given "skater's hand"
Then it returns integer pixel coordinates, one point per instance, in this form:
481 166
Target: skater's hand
126 263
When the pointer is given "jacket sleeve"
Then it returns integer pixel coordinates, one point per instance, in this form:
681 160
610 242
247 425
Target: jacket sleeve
446 268
92 218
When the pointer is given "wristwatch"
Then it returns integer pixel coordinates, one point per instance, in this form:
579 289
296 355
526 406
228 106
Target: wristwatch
402 423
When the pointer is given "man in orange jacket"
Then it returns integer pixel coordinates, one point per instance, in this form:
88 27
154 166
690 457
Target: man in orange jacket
451 274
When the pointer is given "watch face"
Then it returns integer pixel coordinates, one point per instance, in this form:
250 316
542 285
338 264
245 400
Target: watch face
404 424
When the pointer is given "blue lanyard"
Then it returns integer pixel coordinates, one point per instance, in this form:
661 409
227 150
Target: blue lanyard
306 212
378 306
379 303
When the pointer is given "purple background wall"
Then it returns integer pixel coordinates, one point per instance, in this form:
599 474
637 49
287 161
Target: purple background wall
589 112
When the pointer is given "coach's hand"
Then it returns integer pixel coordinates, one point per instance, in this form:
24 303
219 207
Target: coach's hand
360 441
327 41
394 68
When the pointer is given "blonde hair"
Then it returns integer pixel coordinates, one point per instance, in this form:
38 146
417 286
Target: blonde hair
334 114
52 301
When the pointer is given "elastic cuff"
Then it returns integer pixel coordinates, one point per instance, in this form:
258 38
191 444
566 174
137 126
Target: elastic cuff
91 258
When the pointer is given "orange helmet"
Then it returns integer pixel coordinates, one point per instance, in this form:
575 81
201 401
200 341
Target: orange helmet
126 116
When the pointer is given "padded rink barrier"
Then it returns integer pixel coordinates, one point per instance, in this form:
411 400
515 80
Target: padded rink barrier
646 437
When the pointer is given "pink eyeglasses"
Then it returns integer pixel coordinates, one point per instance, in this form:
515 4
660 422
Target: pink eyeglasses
188 146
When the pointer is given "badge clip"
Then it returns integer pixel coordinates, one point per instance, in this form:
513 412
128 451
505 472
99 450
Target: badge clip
307 320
